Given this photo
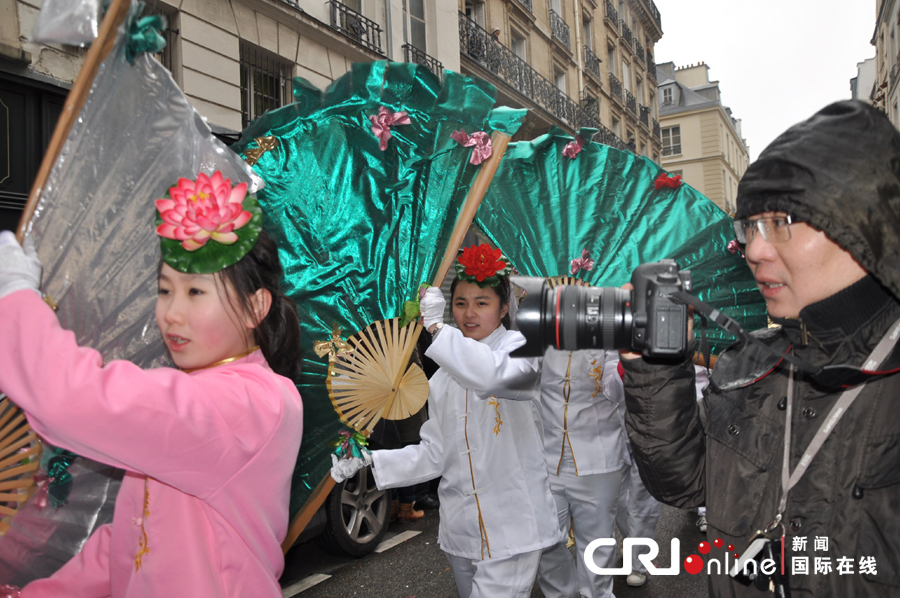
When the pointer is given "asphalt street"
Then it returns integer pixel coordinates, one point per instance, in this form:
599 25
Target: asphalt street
409 564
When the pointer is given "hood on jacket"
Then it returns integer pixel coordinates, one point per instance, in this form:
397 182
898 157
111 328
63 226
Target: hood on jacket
838 171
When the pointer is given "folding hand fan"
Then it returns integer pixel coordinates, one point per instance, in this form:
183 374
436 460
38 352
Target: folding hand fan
19 459
545 209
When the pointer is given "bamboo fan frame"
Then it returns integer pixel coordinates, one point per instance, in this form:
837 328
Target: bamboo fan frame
20 454
557 281
376 380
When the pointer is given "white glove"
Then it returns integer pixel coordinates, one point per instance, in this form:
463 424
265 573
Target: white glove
432 306
20 267
343 468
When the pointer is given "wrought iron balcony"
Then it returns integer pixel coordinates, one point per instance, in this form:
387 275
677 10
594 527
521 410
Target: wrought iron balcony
638 50
417 56
527 4
651 66
592 63
656 131
559 29
626 33
654 12
645 115
611 13
630 102
355 26
615 87
477 45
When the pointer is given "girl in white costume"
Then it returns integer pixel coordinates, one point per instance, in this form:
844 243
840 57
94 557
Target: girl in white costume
495 505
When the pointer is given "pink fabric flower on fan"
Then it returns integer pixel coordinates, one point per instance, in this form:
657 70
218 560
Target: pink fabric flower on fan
479 141
734 247
382 123
573 148
582 263
197 211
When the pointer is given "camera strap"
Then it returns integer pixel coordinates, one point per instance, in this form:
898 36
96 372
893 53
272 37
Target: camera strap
844 375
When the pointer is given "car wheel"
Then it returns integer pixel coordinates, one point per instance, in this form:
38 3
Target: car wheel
358 516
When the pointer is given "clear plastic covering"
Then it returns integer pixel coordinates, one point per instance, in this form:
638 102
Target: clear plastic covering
72 22
94 232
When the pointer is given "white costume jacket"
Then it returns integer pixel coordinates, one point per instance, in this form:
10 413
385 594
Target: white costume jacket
583 417
495 494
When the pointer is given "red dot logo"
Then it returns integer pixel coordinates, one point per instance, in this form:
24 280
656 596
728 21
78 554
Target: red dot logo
704 547
717 543
693 564
730 547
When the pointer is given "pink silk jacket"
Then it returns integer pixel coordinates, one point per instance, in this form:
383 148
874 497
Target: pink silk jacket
208 456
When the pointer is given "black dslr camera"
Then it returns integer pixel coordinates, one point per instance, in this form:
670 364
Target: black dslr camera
570 317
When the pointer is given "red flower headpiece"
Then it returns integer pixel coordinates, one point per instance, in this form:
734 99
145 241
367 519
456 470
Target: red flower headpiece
482 265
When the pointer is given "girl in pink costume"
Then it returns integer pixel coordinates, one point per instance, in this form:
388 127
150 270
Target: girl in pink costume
207 448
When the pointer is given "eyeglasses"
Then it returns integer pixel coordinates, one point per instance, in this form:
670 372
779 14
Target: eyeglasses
774 229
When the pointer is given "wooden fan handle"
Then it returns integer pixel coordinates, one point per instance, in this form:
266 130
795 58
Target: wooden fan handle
97 53
479 188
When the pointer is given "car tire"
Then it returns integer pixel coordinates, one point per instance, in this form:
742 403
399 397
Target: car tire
358 516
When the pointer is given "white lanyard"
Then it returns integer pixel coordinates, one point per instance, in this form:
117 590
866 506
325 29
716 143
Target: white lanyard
789 479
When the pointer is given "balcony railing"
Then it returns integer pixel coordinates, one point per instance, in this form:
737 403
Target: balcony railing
615 87
477 45
626 33
630 102
527 4
355 26
417 56
592 63
638 50
654 12
611 13
651 66
559 29
645 115
656 130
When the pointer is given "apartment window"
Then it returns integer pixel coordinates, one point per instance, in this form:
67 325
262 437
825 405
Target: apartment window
626 76
559 77
616 127
611 58
517 43
265 82
677 173
414 23
671 141
667 96
588 34
556 6
475 12
639 89
170 34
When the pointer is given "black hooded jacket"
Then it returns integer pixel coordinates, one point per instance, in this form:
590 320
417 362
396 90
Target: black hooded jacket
840 172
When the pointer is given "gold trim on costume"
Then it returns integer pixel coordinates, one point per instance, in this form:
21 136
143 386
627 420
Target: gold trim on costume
493 401
482 530
596 374
223 361
255 153
143 542
567 389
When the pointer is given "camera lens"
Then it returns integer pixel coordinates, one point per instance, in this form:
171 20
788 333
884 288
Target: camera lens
591 318
572 317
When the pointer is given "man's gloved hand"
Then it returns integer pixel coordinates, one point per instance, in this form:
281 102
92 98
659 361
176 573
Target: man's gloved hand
343 468
432 306
20 267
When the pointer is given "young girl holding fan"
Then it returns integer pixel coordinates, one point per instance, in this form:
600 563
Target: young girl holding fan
208 449
495 505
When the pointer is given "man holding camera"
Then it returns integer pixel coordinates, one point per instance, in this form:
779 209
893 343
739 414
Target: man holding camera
819 218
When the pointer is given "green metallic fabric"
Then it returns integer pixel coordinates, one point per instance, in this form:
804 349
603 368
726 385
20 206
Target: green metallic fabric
542 209
359 229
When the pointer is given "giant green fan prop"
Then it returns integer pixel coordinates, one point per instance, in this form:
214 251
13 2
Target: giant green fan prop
362 221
